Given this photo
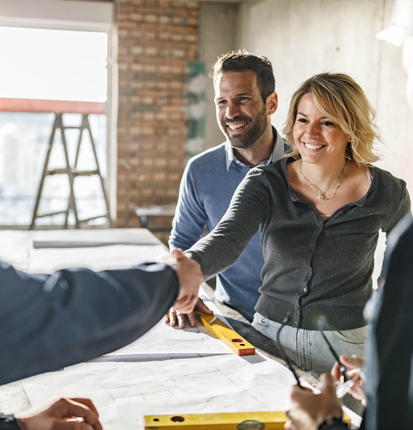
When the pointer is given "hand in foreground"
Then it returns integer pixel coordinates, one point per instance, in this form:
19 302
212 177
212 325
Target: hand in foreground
173 316
308 410
353 365
62 414
190 278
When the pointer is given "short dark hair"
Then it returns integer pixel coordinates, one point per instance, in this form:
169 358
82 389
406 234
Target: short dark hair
242 60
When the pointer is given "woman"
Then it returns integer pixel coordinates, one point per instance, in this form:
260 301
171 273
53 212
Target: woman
320 211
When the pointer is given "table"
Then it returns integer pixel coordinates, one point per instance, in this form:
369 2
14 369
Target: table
144 212
28 251
203 366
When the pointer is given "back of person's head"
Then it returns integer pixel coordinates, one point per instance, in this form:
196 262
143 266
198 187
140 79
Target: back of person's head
342 100
241 61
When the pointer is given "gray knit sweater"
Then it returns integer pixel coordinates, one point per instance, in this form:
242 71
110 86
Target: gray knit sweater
311 268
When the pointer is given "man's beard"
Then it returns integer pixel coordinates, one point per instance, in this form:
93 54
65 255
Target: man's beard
247 140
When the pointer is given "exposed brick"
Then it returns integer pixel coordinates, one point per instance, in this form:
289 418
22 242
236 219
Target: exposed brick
157 39
127 24
137 17
125 8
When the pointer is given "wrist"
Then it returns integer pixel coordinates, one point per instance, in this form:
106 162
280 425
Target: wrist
21 423
9 422
333 422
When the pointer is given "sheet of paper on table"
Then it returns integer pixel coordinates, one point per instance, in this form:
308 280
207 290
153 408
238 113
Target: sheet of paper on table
169 371
114 249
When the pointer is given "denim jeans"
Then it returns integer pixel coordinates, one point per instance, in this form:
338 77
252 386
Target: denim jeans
308 349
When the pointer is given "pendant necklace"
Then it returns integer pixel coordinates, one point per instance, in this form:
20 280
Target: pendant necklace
320 193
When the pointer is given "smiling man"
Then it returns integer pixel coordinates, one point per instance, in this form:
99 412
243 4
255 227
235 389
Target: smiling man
245 100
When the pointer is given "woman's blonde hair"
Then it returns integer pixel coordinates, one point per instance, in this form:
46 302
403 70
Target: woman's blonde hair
340 98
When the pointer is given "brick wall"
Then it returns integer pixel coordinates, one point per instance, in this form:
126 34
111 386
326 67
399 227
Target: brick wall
157 39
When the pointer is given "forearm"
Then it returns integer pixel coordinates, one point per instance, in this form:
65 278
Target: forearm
187 228
77 314
190 215
221 248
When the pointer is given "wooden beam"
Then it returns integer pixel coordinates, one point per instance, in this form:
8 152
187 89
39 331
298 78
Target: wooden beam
51 106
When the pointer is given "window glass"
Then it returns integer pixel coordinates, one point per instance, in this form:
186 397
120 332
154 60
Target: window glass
52 65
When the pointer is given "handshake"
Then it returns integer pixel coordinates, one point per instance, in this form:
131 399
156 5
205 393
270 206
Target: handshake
190 278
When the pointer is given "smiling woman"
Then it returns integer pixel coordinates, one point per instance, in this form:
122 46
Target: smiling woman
331 132
319 212
340 99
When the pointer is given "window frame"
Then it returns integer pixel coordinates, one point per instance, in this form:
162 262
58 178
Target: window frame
78 16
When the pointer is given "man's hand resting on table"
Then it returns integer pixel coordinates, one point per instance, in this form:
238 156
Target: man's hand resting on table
173 316
190 278
62 414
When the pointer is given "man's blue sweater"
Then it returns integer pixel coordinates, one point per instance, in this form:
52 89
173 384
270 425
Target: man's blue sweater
206 190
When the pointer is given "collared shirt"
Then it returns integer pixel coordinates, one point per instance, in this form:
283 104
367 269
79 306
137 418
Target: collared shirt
277 153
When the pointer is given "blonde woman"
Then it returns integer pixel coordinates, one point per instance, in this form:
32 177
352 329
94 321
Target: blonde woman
319 212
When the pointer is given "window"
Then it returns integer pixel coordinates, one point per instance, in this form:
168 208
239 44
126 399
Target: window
42 67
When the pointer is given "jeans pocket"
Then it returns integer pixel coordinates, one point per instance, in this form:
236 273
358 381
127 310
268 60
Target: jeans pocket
261 320
355 336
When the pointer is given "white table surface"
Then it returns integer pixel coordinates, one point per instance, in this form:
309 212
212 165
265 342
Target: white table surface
249 386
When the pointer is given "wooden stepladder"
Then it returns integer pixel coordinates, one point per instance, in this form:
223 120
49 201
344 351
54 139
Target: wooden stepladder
71 172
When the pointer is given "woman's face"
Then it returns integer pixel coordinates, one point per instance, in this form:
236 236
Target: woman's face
318 139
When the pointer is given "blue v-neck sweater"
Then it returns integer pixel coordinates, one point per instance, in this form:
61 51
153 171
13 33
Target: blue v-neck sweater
205 195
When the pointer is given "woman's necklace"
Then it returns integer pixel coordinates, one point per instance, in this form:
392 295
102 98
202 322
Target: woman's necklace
322 194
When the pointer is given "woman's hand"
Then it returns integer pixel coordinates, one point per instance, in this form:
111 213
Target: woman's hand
190 278
353 365
308 410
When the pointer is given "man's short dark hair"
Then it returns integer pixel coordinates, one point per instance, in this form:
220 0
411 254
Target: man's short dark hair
242 60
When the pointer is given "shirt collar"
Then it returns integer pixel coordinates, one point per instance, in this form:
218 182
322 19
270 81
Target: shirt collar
277 153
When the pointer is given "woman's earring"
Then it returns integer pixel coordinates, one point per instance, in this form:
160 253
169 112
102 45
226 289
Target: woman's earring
349 151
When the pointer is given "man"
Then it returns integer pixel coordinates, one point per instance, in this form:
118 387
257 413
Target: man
51 321
62 414
245 100
389 364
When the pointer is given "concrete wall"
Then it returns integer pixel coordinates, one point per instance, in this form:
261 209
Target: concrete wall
305 37
217 35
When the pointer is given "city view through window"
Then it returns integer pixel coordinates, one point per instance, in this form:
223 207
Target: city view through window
52 65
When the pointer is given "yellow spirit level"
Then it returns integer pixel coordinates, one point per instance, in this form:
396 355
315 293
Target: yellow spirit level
224 421
221 421
230 337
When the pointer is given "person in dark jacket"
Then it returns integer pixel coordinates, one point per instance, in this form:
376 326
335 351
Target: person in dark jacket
51 321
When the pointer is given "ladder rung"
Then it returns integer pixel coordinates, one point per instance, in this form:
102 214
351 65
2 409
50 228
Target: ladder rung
75 172
61 171
50 214
84 172
93 217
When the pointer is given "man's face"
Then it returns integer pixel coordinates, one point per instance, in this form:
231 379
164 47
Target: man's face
241 112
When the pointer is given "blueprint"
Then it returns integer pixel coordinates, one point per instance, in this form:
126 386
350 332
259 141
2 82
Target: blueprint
169 371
